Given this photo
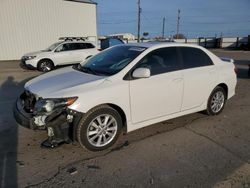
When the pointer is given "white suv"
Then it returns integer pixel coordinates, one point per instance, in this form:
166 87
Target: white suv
60 53
124 88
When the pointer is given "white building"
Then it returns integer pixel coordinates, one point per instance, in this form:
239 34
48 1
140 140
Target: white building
31 25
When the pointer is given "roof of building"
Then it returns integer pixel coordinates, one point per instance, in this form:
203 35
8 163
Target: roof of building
83 1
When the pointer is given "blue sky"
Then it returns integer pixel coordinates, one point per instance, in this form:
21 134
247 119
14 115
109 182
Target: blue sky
198 17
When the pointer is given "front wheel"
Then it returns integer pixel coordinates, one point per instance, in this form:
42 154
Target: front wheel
216 101
45 65
99 128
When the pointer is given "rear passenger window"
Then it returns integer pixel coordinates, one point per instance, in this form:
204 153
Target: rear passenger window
194 57
79 46
89 45
161 61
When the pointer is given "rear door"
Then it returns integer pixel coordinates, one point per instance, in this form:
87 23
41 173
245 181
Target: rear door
84 50
79 52
199 75
90 49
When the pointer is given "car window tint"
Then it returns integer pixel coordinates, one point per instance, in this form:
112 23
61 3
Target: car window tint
89 45
114 42
67 47
194 57
80 46
161 61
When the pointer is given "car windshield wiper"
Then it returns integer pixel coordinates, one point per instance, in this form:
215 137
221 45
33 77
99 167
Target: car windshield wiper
88 70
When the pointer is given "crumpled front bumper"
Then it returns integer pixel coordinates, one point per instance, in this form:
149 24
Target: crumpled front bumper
62 128
23 118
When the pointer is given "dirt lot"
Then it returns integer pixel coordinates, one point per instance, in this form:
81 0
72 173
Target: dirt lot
191 151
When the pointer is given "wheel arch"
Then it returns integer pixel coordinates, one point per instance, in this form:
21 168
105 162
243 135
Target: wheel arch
225 87
122 114
114 106
49 59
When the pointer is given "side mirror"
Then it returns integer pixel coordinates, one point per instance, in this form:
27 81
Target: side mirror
141 73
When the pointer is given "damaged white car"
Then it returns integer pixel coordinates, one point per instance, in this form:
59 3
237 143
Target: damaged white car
125 88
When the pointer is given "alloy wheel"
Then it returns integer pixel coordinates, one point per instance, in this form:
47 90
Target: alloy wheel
102 130
217 101
45 66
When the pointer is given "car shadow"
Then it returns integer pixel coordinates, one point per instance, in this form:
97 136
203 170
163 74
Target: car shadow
9 90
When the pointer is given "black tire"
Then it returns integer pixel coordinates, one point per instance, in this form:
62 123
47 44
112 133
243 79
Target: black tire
84 126
45 65
210 107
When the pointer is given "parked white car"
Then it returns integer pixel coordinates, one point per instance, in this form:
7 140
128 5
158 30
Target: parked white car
125 88
59 53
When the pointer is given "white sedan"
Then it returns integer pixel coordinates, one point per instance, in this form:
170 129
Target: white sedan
125 88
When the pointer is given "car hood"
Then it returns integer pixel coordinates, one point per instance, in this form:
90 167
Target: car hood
65 82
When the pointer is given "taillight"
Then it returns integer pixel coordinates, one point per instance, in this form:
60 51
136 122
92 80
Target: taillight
235 69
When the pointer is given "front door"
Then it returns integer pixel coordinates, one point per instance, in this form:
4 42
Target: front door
66 54
161 93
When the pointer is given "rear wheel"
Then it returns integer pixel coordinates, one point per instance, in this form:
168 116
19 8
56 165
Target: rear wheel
216 101
45 65
99 128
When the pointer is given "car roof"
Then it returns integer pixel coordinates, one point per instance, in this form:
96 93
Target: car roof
68 41
161 44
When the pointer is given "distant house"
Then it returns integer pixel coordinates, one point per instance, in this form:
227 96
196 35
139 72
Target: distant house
124 36
30 25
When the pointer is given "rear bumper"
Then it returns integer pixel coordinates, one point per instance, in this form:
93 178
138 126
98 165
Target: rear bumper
22 118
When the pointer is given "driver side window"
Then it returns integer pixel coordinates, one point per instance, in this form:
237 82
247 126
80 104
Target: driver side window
161 61
65 47
59 48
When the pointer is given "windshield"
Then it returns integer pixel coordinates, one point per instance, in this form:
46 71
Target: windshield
53 46
111 61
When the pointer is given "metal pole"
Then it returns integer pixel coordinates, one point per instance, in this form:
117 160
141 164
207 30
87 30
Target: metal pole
163 28
139 20
178 24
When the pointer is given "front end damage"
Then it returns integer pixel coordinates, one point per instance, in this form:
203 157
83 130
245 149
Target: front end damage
53 115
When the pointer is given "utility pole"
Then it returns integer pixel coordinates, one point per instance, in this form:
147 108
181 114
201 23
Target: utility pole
139 20
163 28
178 24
